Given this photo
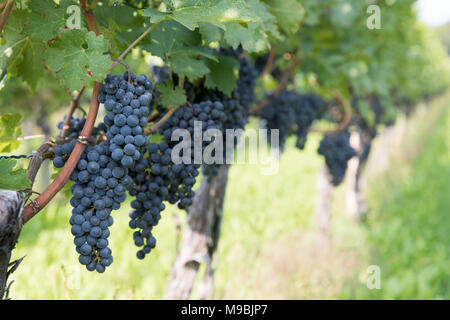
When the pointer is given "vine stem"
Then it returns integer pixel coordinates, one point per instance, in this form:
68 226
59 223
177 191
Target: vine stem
293 68
135 42
158 124
44 152
36 136
153 117
41 201
269 63
122 63
73 106
89 15
9 4
3 4
44 198
181 82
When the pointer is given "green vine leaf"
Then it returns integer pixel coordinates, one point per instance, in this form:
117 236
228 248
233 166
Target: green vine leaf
46 19
289 14
216 12
13 178
22 55
210 33
254 36
223 75
237 34
171 37
181 49
156 138
110 33
187 66
77 57
9 131
170 96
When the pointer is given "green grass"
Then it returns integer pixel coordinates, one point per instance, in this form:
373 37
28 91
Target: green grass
268 247
409 228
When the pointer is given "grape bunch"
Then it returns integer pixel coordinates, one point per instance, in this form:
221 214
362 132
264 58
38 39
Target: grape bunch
100 187
245 87
102 174
236 108
148 204
292 113
280 114
128 109
158 179
309 111
235 117
337 151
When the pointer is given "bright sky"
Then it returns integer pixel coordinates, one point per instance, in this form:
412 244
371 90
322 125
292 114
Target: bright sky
434 12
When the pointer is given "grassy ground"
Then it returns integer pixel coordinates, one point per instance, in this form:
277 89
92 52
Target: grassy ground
408 230
268 247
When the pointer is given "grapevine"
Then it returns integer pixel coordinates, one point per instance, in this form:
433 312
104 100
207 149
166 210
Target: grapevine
337 151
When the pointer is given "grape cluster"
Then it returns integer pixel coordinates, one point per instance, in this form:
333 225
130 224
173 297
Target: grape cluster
235 117
280 114
102 174
307 113
128 109
337 151
245 87
100 187
158 179
236 108
292 113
